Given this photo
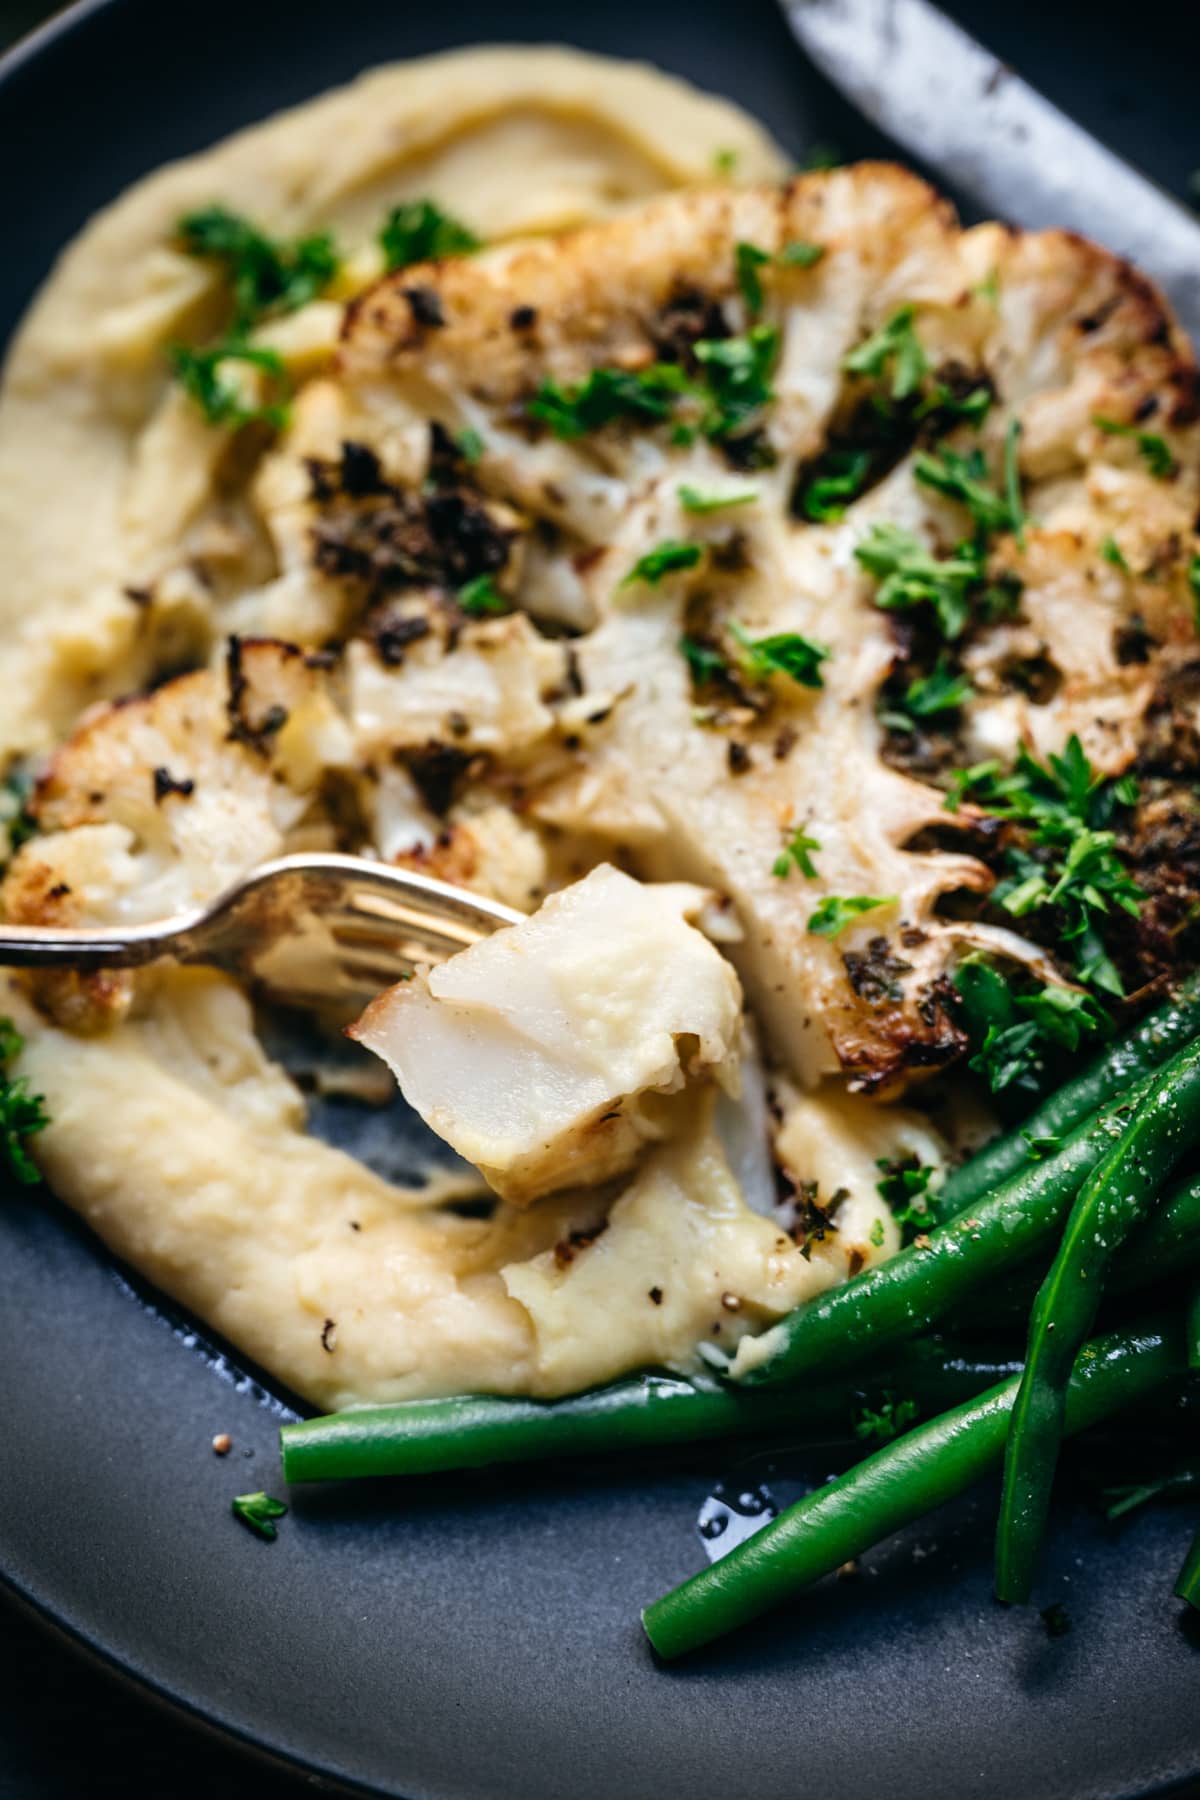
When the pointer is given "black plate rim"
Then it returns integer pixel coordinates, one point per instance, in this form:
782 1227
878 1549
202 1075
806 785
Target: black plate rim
266 1754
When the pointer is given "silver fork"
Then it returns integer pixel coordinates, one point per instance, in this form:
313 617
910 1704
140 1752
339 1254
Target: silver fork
311 929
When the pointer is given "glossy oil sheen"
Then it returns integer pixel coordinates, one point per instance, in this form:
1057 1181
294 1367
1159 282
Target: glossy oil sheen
477 1638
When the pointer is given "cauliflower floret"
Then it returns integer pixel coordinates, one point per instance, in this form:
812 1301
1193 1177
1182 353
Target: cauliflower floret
548 1054
485 693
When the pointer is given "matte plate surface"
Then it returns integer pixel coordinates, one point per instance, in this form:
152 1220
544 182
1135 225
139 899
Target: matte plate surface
478 1639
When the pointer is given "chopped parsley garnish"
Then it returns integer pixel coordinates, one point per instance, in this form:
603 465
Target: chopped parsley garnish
704 660
796 852
877 1233
725 161
22 1114
607 394
821 156
748 260
1068 859
733 385
892 1419
833 481
1018 1037
784 653
16 824
266 276
971 408
470 445
222 402
1194 584
800 255
1012 482
738 371
695 500
1155 451
259 1512
989 288
665 559
419 231
894 348
837 911
931 696
1111 551
904 1188
480 597
965 479
910 575
1175 1483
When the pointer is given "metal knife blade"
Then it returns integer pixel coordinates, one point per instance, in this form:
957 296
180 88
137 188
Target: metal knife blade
950 102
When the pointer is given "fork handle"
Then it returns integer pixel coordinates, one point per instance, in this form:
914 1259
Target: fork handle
88 948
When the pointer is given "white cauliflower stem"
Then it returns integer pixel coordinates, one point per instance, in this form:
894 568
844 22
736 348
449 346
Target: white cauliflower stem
550 1053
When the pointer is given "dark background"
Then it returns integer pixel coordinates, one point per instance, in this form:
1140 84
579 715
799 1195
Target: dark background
68 1731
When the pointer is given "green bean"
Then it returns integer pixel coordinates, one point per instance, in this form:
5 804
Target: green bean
1127 1060
974 1250
422 1437
900 1483
1118 1194
1167 1243
1188 1585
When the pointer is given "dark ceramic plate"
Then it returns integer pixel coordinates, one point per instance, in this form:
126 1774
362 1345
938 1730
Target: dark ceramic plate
479 1638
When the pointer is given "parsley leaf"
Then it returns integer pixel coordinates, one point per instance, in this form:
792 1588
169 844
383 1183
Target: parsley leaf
796 851
608 394
1068 859
929 697
694 500
1017 1037
836 911
971 408
894 346
877 1233
419 231
738 372
266 276
800 255
905 1189
910 575
470 444
892 1419
1111 551
1156 452
705 661
833 481
734 384
784 653
1012 482
748 260
221 402
965 479
22 1114
1175 1483
725 161
259 1512
16 824
1194 584
821 156
480 597
665 559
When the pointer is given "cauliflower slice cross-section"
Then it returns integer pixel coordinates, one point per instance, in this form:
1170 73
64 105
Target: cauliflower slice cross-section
550 1053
